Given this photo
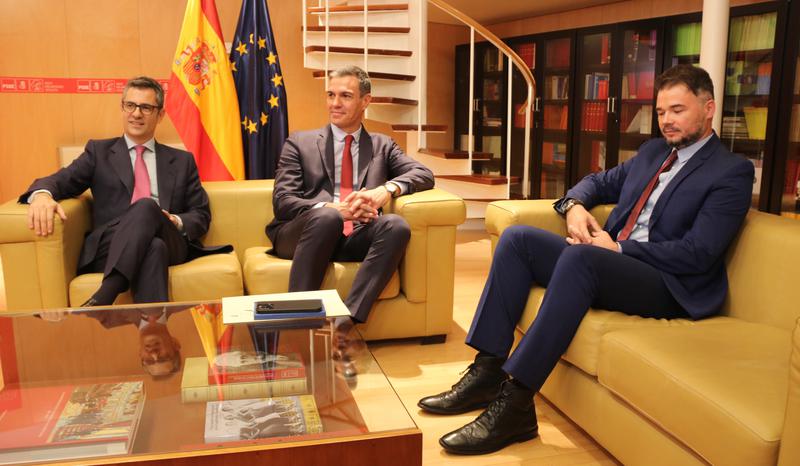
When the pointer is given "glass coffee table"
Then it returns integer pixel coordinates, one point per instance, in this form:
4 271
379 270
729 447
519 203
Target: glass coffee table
170 383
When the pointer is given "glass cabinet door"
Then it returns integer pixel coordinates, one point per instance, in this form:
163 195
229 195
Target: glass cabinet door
790 199
747 85
492 110
637 94
686 43
554 105
594 76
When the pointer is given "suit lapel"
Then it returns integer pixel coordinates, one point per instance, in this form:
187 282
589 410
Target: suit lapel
325 146
165 175
120 159
365 153
693 164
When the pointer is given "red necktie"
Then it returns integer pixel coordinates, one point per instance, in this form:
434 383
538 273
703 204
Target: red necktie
346 183
637 209
141 179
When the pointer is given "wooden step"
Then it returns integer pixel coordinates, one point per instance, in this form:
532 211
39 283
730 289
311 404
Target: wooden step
375 29
425 128
357 8
375 75
393 100
480 179
359 51
456 154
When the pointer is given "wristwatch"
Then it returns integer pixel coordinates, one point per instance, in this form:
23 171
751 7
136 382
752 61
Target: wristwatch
563 207
393 189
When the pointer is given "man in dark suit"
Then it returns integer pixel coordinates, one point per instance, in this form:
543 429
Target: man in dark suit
149 209
329 188
680 202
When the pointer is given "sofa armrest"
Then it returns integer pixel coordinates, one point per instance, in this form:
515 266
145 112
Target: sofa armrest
427 271
37 269
790 440
538 213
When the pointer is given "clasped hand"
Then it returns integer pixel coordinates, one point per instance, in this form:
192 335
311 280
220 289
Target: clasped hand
362 206
582 228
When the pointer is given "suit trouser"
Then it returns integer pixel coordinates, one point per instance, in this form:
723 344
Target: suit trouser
314 238
141 246
576 278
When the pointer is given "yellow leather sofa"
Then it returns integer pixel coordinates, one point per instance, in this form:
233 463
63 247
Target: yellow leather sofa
40 272
724 390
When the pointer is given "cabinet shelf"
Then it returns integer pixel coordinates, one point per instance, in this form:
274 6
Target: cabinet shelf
749 54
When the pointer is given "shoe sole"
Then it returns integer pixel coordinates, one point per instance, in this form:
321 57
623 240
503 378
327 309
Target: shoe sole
466 409
523 437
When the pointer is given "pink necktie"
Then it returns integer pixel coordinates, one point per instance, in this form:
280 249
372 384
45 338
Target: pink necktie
141 179
346 184
637 209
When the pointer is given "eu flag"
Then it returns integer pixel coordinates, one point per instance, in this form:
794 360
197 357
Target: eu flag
261 90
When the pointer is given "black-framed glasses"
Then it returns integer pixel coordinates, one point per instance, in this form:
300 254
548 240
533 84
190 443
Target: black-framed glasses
146 109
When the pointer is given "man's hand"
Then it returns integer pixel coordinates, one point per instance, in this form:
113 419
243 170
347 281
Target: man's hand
602 239
345 210
364 204
41 212
580 225
172 218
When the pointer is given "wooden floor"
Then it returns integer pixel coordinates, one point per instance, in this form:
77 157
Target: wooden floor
416 371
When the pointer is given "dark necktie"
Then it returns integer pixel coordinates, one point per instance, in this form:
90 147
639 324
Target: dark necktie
346 182
625 233
141 178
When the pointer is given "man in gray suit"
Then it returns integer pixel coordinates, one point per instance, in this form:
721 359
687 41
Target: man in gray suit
330 186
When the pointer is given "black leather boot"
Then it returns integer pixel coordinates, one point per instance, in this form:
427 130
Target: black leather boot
508 419
479 386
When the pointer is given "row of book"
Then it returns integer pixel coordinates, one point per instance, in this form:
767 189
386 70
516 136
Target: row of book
687 39
555 116
491 89
638 85
552 186
734 127
747 78
594 117
557 53
641 47
527 52
597 156
556 87
554 153
598 48
595 86
636 119
756 32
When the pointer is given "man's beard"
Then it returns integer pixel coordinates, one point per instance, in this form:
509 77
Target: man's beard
688 139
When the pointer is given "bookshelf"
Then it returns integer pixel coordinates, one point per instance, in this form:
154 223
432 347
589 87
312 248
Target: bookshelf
594 78
785 193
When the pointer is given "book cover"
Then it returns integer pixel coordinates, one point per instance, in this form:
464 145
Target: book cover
71 421
236 420
252 366
195 385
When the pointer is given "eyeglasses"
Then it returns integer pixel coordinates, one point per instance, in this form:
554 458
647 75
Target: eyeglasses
146 109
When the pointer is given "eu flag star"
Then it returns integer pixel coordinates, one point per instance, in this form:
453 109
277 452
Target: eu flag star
271 58
251 127
273 101
233 66
242 48
264 118
244 122
277 80
251 38
262 43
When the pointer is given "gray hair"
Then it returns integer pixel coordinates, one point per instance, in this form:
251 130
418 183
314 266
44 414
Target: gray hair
364 84
144 82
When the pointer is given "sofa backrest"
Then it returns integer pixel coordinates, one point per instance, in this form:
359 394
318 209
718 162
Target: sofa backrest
240 210
762 268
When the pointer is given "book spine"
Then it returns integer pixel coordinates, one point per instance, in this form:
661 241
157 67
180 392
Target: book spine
241 391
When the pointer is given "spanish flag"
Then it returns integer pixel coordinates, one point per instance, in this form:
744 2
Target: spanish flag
202 100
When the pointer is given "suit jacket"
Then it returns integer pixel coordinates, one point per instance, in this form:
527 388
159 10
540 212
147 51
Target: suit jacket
105 168
691 225
305 174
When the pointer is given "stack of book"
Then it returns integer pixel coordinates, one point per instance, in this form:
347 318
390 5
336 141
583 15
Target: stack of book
223 380
251 419
69 421
734 127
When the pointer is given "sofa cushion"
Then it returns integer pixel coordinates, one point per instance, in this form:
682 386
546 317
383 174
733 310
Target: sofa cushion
585 347
265 273
208 277
719 388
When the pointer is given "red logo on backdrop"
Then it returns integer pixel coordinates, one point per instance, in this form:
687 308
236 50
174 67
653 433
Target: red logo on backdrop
37 85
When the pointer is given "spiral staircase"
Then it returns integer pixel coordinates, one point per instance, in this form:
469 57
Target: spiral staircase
388 38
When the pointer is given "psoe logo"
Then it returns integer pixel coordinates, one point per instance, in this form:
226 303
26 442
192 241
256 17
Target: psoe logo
196 60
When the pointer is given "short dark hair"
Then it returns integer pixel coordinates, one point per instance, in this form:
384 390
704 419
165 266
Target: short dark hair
144 82
693 77
364 83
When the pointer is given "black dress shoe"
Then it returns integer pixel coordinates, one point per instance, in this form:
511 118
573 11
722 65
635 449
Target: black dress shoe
91 302
509 419
476 389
